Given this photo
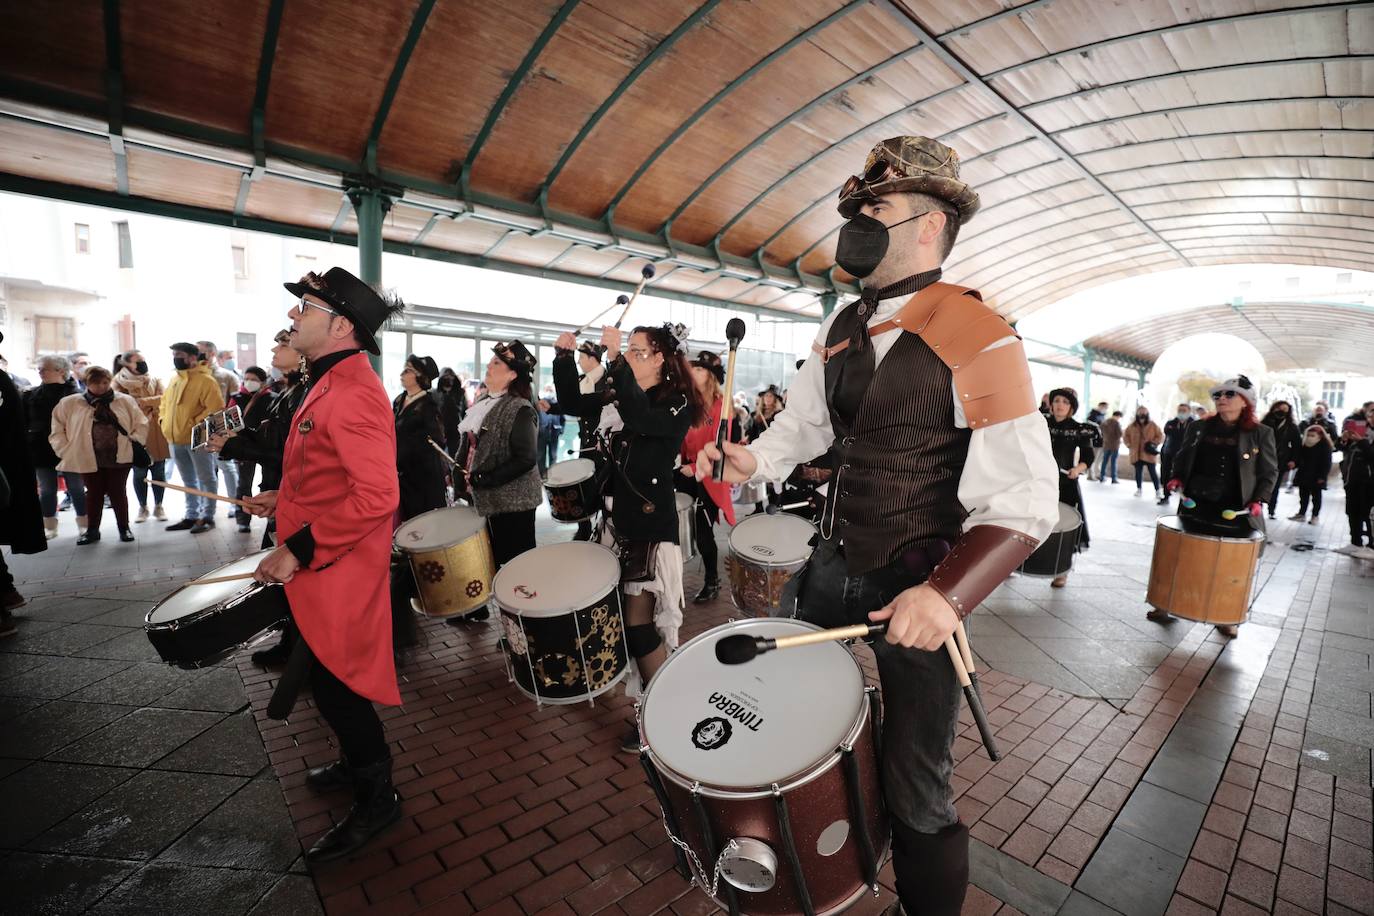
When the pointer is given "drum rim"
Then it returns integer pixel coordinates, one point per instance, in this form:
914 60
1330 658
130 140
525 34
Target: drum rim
1259 537
550 485
796 780
396 536
218 607
730 542
564 609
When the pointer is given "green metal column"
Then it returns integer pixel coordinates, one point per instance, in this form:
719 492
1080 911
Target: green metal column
1140 377
828 301
1086 399
371 205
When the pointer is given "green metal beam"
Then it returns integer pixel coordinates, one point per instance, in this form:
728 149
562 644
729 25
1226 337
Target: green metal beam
715 100
393 84
1339 100
649 60
114 94
32 187
785 121
258 119
512 85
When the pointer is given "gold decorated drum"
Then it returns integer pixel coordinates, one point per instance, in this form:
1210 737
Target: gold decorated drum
450 554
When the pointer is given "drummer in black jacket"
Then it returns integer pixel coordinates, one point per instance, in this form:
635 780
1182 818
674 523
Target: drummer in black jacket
592 383
655 403
1072 445
263 444
421 467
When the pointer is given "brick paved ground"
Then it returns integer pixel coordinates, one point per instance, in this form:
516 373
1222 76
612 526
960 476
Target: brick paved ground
1146 768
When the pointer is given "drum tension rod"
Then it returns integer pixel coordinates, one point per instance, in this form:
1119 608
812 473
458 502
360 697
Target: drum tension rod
859 810
669 817
708 837
789 846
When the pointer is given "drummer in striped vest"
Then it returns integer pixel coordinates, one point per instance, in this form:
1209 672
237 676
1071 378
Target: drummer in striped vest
943 483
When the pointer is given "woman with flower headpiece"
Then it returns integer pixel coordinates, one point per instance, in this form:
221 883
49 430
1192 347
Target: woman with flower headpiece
711 498
655 403
498 461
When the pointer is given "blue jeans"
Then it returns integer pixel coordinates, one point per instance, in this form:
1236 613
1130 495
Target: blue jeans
1107 456
1140 467
47 491
231 481
196 469
921 694
159 471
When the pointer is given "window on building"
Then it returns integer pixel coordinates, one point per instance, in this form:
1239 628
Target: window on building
240 262
53 335
1333 393
126 245
83 238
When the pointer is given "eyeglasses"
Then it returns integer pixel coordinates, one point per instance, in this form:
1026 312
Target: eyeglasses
640 353
1224 394
305 303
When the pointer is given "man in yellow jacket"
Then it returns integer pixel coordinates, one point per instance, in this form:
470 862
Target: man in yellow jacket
191 396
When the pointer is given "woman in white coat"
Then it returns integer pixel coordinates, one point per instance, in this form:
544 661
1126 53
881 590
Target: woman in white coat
93 434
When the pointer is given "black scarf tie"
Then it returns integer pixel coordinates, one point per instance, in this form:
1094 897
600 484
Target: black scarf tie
856 372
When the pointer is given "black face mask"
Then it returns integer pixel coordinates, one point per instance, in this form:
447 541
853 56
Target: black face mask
180 363
863 244
141 367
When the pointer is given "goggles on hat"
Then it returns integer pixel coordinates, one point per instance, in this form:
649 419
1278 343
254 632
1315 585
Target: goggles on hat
875 173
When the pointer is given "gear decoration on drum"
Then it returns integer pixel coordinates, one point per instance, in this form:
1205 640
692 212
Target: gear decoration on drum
474 588
571 674
602 668
566 505
431 571
515 635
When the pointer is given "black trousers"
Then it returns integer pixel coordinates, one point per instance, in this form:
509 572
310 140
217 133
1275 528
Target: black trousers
512 533
1309 492
353 718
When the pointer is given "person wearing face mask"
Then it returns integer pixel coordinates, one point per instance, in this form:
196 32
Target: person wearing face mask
1322 417
55 383
254 400
655 403
944 480
1359 479
453 406
190 397
710 499
1313 468
1287 441
1111 446
1173 439
591 386
1143 439
134 380
422 470
93 433
1227 462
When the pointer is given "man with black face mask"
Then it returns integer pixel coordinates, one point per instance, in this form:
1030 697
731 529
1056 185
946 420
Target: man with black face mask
943 480
191 396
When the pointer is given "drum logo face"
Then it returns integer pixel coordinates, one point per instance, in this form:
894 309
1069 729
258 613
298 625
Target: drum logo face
712 733
525 592
761 550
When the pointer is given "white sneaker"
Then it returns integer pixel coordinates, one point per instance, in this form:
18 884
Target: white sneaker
1312 521
1296 517
159 514
142 515
1139 492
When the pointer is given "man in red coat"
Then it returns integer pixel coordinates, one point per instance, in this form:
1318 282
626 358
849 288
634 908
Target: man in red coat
334 511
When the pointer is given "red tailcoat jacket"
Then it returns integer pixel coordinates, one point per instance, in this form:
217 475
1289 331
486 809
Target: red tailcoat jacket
339 477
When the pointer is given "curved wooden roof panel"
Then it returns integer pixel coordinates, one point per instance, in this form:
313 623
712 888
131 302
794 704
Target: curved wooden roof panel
577 138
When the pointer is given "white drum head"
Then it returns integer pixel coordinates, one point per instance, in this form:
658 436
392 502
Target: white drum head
684 502
563 473
772 540
439 528
751 725
1069 518
555 579
192 598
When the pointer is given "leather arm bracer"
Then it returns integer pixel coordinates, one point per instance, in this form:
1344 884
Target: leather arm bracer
981 559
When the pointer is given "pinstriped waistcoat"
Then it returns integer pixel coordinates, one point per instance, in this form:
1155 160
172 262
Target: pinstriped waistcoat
898 461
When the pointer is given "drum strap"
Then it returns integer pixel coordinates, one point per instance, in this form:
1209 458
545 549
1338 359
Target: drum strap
293 677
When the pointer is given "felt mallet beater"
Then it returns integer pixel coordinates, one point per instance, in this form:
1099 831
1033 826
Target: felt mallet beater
622 299
646 274
734 333
741 648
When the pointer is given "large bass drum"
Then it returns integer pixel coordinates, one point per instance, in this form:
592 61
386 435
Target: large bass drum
564 631
450 554
768 772
199 624
1203 577
1054 556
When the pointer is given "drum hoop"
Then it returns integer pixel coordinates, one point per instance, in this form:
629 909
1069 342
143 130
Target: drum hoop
550 485
219 607
770 564
1262 539
795 781
410 551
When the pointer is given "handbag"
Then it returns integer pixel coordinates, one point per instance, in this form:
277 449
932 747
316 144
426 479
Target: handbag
141 457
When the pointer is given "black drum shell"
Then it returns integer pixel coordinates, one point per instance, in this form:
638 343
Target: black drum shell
553 668
575 502
211 634
1054 556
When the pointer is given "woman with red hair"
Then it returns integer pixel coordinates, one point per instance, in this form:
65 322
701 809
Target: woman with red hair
1226 469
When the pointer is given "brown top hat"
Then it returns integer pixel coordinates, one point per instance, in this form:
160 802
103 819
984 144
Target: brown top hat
917 164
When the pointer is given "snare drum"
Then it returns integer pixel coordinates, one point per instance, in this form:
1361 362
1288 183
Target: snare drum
767 552
450 554
686 525
564 631
1203 577
1054 556
198 625
574 490
769 771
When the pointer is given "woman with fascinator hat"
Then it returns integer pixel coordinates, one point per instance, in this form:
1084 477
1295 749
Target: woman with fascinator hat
712 498
1071 443
654 404
498 456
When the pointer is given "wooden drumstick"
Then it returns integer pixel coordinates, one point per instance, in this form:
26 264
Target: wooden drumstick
440 449
215 579
734 333
194 492
622 299
971 693
646 274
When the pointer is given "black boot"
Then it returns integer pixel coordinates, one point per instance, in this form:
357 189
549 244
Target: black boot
277 655
376 806
89 536
331 776
931 869
709 590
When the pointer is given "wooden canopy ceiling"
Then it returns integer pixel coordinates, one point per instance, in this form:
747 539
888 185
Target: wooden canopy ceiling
577 138
1336 337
